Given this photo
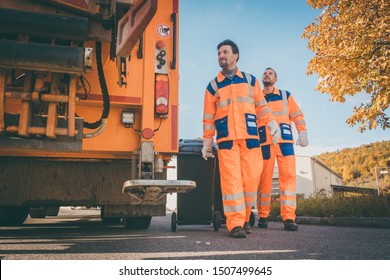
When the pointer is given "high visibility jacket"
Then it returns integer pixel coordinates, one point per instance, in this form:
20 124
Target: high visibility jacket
286 111
234 108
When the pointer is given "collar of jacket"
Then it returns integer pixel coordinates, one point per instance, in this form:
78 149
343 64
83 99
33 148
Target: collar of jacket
276 91
221 77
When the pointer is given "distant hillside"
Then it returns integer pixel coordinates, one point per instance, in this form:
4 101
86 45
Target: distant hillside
356 165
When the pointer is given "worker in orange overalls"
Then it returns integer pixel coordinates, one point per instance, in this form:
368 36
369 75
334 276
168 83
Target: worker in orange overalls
286 110
234 107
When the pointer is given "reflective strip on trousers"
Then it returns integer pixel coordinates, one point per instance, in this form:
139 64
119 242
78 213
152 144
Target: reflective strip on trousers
288 202
234 208
252 196
234 196
287 193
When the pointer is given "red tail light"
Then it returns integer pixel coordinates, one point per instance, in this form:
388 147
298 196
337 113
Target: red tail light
162 94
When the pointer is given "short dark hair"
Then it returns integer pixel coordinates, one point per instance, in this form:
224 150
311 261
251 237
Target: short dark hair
232 44
269 68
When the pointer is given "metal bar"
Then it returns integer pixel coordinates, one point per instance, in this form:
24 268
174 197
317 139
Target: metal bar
43 57
72 106
25 108
52 117
43 25
47 97
2 99
38 130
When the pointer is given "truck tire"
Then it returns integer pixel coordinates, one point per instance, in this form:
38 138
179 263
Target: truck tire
13 215
108 220
137 222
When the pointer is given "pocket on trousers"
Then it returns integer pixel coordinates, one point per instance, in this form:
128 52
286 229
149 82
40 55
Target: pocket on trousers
285 130
262 134
225 145
222 127
287 149
266 152
252 143
251 124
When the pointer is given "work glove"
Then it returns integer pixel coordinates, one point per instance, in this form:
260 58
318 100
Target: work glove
302 138
274 129
207 149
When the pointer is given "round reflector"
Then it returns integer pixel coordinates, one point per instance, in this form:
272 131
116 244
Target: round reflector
147 133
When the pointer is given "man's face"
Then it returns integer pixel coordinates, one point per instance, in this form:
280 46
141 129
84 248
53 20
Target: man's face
269 77
226 58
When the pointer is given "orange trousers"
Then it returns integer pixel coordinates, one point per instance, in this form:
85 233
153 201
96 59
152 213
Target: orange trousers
240 174
285 157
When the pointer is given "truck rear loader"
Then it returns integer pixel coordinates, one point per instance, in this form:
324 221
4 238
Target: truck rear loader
88 108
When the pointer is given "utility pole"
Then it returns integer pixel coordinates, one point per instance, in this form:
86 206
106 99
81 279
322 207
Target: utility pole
376 178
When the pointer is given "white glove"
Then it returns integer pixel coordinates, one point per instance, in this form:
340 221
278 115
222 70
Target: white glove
274 129
302 139
207 149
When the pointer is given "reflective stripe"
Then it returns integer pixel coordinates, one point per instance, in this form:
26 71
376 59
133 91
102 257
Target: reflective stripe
224 103
287 193
213 84
301 122
261 103
234 196
245 99
285 102
249 79
265 203
265 195
208 126
296 114
235 208
250 194
280 113
263 112
288 202
209 116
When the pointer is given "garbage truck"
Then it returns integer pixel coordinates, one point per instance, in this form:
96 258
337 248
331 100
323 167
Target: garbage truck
88 108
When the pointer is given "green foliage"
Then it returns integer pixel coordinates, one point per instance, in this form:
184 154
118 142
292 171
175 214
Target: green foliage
357 164
340 206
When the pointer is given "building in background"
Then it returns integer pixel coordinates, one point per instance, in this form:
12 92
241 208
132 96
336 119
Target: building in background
312 177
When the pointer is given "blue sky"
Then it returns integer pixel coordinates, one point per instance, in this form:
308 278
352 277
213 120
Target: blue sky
268 34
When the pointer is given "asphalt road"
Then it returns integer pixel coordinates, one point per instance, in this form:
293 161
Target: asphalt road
80 235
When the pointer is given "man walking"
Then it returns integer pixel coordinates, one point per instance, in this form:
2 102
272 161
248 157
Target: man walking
286 111
234 107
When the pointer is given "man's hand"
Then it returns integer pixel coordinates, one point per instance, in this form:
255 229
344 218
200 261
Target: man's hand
274 129
207 149
302 138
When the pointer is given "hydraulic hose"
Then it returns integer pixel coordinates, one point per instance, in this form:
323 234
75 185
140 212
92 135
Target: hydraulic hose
103 86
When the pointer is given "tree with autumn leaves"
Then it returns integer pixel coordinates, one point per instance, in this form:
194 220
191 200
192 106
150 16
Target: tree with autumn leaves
351 42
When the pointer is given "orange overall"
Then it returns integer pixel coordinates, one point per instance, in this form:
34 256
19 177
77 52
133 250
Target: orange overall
286 110
235 109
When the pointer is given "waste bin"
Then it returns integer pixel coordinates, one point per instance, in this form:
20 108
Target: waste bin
203 205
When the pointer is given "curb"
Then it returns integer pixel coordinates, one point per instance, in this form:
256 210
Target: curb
367 222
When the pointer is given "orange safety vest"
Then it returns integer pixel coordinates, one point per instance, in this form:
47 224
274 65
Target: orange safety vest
285 109
234 108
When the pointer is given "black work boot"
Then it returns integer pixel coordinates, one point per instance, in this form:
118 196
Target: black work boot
238 232
247 227
262 223
290 225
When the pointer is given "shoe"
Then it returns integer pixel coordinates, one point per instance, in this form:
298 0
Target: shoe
238 232
247 228
262 223
290 225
